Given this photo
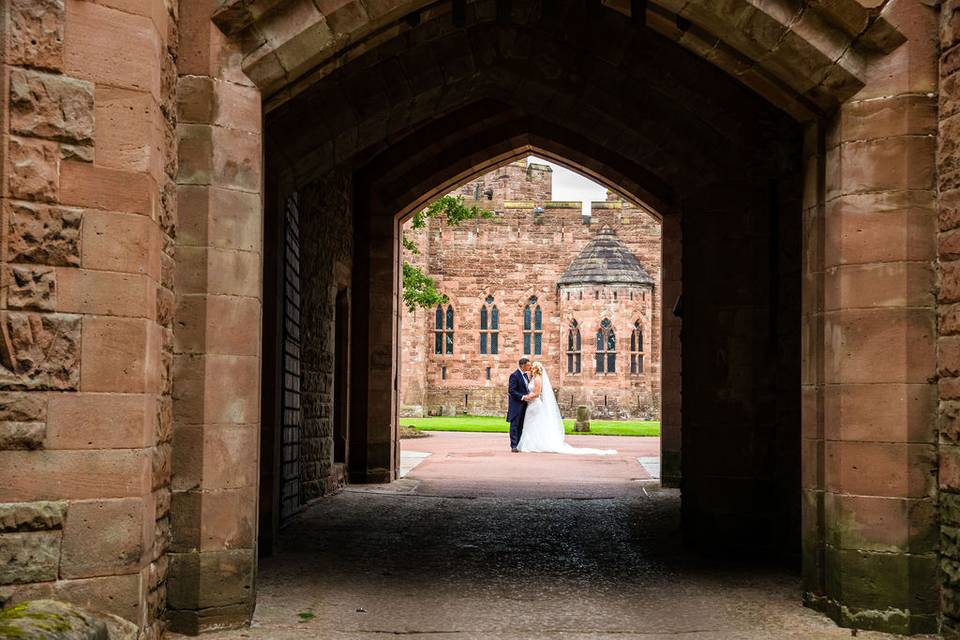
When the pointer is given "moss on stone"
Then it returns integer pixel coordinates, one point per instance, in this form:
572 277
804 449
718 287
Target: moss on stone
48 619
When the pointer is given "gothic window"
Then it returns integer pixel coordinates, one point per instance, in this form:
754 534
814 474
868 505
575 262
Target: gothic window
636 349
606 348
489 328
573 348
443 330
532 328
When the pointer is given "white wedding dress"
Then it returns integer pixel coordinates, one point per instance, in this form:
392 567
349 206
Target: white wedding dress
543 427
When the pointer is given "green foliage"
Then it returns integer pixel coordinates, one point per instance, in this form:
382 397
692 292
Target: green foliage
419 289
451 209
410 245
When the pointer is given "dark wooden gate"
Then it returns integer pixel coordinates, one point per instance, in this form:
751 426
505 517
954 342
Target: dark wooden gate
292 418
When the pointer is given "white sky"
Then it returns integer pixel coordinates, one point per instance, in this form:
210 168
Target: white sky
568 185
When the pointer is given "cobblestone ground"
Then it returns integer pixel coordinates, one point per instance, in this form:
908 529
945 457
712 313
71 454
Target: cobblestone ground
393 561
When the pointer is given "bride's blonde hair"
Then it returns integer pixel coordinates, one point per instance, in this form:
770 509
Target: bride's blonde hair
537 369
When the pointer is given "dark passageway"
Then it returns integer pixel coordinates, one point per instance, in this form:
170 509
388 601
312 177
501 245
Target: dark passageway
510 567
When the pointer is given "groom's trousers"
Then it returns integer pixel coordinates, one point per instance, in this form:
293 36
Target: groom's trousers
516 430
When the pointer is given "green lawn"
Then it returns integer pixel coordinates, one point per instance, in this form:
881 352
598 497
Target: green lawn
496 424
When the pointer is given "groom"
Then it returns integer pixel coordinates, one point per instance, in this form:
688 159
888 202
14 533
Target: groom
519 394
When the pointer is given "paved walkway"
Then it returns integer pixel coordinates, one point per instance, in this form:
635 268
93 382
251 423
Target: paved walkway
477 542
481 465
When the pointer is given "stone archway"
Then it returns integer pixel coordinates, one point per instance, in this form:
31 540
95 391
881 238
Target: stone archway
867 316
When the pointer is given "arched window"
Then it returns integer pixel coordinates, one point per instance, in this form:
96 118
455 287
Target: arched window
573 348
532 328
489 327
636 349
443 330
606 348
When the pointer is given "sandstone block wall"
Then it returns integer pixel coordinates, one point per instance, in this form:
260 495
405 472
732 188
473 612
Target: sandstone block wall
948 315
327 256
521 253
131 173
88 213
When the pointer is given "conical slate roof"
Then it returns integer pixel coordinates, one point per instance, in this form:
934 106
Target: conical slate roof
606 260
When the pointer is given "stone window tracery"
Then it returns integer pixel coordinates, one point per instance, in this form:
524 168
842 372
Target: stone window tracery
443 330
573 348
489 327
636 349
606 354
532 328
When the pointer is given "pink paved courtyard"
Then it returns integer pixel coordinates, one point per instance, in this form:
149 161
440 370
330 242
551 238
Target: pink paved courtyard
481 465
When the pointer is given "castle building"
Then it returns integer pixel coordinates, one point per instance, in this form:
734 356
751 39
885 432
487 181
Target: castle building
579 293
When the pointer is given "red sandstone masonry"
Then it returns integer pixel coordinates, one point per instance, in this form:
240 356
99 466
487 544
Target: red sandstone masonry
125 52
216 358
86 148
948 353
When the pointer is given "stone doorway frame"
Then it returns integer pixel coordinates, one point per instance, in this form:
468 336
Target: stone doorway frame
865 402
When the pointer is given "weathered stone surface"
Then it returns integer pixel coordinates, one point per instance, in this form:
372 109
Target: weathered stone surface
949 421
23 407
44 235
52 620
583 419
76 152
35 33
31 288
29 557
950 541
103 537
164 419
949 212
22 435
57 107
223 577
160 465
39 351
32 516
32 170
950 508
91 186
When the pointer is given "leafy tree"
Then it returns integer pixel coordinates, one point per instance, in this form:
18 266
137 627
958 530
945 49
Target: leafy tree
419 289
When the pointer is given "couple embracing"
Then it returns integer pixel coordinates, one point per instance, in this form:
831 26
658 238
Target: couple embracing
536 425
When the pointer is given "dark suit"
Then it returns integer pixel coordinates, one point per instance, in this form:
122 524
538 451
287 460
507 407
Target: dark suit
517 408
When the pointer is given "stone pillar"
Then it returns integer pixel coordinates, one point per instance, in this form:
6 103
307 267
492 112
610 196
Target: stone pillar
217 340
811 376
374 400
670 335
85 304
869 455
948 352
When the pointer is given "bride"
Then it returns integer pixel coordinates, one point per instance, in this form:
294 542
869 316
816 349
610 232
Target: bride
543 425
